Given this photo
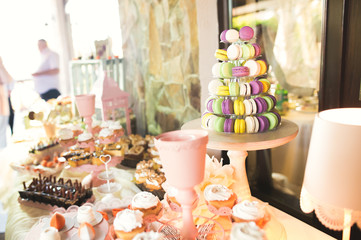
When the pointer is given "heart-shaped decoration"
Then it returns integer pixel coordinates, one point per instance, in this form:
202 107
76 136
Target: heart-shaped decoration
105 157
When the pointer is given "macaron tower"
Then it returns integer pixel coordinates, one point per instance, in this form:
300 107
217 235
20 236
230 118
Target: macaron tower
239 100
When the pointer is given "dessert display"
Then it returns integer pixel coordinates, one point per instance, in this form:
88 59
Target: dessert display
239 99
128 223
55 192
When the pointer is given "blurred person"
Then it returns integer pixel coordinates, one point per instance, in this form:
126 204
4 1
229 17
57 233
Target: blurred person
46 78
5 79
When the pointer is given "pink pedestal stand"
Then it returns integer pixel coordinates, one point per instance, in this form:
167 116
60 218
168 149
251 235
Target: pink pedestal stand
183 157
238 145
86 107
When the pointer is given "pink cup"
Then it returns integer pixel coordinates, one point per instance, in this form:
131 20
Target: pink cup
85 104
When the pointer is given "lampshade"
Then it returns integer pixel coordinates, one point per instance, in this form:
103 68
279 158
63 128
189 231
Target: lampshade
333 171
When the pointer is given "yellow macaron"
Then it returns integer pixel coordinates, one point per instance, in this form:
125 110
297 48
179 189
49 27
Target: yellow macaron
239 126
221 55
223 91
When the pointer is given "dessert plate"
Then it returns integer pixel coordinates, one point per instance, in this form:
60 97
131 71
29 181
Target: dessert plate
69 223
98 218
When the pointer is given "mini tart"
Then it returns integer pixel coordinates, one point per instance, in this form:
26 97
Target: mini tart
114 149
79 160
96 158
129 235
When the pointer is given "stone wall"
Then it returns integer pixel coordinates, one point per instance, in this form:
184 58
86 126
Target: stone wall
160 45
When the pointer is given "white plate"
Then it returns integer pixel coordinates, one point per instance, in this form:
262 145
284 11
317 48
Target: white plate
113 187
69 223
98 218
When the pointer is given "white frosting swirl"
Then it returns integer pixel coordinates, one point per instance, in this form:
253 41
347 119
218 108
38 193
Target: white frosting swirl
84 137
50 233
65 134
115 126
128 220
170 190
217 192
105 132
246 231
86 232
144 200
149 236
248 210
107 123
76 127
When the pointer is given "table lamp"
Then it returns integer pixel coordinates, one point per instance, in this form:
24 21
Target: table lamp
331 184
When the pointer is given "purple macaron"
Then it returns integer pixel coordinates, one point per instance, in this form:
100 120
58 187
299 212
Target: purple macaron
278 116
273 99
263 123
261 104
227 106
240 71
257 49
246 33
210 105
228 125
223 36
256 87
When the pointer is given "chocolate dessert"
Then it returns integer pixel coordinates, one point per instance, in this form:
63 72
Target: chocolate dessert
61 193
43 145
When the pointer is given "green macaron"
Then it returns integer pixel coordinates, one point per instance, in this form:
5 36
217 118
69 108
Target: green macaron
273 120
219 124
217 106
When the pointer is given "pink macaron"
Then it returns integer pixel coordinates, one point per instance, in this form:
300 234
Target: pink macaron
223 36
240 71
228 125
246 33
256 87
227 106
257 49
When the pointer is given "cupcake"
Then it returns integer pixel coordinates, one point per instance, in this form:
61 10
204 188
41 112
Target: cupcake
65 136
117 129
171 194
146 203
106 134
149 236
96 128
50 233
141 175
247 230
247 211
77 130
86 231
128 223
85 138
219 196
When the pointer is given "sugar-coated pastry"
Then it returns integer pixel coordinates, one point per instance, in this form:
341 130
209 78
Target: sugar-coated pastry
270 103
263 123
222 36
219 196
254 106
232 35
50 233
149 236
254 67
239 126
226 69
247 211
219 124
147 203
247 107
257 49
246 33
223 90
256 87
228 125
263 66
128 223
57 221
234 52
246 51
247 231
266 84
217 106
221 54
238 107
234 88
213 86
250 124
227 106
216 70
240 71
86 231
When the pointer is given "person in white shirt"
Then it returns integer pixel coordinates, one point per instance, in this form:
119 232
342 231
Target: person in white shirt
46 78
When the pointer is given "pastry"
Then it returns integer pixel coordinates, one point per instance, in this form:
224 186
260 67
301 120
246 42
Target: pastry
106 134
234 51
213 86
50 233
219 196
78 160
133 156
232 35
117 129
86 231
248 211
147 203
85 214
95 159
65 136
149 236
257 49
77 130
128 223
247 230
246 33
57 221
85 138
222 36
226 69
115 149
221 54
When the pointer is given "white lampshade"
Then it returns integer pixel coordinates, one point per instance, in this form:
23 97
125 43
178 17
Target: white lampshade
333 172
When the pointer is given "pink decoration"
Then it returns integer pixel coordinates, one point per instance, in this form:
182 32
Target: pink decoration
222 211
183 153
86 107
